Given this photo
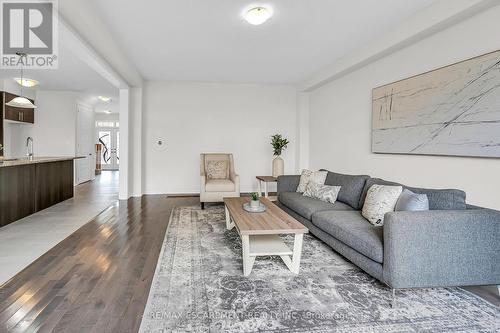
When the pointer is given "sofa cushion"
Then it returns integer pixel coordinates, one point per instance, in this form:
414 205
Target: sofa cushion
351 187
447 199
219 185
352 229
307 206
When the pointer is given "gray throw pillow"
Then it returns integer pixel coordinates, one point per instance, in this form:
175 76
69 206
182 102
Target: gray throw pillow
412 202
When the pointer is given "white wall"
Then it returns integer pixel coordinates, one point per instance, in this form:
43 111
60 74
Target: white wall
107 117
54 130
194 118
340 116
113 106
15 136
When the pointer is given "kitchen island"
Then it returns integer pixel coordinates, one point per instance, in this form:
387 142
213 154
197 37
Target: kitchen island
28 185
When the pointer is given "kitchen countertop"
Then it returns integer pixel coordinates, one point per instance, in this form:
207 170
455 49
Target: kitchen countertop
36 160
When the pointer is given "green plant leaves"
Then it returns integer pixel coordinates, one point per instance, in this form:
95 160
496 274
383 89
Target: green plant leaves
279 143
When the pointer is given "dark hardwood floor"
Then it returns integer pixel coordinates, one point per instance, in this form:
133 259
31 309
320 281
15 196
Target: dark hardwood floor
97 279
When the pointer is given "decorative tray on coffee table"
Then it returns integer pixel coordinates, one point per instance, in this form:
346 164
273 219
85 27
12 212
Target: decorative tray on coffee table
260 209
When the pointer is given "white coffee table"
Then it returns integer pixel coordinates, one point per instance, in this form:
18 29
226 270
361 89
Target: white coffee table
259 233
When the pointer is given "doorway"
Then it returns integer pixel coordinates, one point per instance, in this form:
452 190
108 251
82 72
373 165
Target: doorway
84 166
109 138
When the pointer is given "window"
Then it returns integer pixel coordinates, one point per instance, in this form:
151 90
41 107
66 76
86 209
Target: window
104 124
105 141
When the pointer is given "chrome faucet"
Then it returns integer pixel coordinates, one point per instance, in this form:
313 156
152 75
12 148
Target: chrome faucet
29 147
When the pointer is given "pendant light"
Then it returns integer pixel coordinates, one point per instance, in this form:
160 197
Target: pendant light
21 102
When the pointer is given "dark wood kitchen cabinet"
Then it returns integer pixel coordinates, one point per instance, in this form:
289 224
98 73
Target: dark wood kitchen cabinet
30 187
17 193
17 114
1 123
54 183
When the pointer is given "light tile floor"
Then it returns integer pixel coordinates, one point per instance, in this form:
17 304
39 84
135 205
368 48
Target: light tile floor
22 242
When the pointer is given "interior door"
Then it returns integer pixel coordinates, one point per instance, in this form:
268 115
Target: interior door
109 138
84 145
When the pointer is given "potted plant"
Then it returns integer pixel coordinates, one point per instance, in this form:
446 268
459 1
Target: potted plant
279 143
255 203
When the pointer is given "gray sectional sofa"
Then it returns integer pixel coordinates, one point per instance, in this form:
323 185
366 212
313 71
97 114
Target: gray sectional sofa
452 244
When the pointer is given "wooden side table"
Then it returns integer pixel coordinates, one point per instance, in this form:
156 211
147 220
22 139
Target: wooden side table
264 180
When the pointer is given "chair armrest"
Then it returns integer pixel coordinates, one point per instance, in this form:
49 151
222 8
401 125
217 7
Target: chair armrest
288 183
236 180
441 248
203 182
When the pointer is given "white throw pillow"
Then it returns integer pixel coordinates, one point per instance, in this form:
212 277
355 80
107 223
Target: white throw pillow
324 193
307 176
380 199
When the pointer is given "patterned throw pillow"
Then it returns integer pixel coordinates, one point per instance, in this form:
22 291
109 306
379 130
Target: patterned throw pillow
307 176
324 193
380 199
217 170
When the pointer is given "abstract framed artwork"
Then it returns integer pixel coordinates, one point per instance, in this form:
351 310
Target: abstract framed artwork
453 110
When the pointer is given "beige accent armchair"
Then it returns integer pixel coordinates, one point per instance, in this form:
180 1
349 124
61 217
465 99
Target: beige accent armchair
225 185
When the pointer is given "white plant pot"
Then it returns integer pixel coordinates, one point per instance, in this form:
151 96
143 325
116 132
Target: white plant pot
254 203
278 166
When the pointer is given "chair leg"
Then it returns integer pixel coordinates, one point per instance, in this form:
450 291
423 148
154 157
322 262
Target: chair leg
202 205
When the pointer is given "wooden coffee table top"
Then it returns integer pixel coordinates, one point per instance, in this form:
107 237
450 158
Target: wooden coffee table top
273 221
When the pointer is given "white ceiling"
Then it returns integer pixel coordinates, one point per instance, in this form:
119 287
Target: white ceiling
207 40
72 74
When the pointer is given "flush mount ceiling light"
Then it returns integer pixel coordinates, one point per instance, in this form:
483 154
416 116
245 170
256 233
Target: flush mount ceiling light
21 102
258 15
28 83
107 111
104 98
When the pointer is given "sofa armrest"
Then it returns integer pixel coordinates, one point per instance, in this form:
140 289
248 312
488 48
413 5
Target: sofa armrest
441 248
288 183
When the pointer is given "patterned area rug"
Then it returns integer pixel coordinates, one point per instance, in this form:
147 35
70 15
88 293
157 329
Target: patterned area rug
199 287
